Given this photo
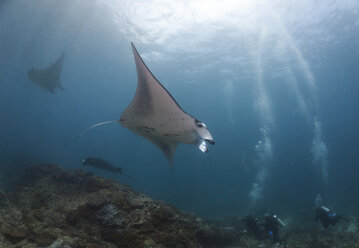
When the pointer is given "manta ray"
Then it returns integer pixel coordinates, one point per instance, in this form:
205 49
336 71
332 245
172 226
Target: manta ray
155 115
48 78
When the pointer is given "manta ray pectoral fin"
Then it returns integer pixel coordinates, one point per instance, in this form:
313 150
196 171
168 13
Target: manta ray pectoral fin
168 148
55 69
61 87
169 151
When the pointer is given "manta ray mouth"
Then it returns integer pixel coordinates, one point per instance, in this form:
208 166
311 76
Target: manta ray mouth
211 141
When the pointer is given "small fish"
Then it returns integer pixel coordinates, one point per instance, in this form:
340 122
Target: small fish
101 164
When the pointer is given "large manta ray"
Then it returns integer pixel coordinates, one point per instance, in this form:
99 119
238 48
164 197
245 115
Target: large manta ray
155 115
48 78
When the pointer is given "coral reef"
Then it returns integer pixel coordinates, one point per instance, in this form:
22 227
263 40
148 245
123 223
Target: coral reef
52 207
56 208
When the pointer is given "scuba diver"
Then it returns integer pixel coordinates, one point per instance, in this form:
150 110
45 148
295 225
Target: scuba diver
267 228
324 215
271 225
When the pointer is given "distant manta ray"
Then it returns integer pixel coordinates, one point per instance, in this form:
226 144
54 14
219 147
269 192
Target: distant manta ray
48 78
155 115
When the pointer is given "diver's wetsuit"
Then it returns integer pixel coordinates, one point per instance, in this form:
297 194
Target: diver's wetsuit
271 226
326 216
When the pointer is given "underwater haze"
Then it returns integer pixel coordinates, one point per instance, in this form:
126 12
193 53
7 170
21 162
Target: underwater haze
276 82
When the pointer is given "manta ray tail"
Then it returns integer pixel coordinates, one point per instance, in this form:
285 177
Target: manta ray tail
96 125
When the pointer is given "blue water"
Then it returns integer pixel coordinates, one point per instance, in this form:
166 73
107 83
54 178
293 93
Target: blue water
276 82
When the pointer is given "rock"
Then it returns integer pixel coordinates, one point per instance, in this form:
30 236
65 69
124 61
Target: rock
53 207
14 234
110 215
63 242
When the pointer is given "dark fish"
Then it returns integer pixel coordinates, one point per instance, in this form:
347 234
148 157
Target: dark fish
101 164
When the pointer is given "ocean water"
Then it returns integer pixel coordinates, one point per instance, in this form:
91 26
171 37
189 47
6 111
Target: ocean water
276 82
